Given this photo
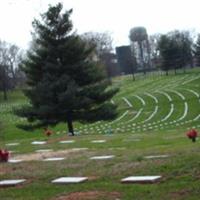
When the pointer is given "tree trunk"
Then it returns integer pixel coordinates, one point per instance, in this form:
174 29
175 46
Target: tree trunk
149 54
192 63
133 75
70 124
5 97
142 56
5 86
184 70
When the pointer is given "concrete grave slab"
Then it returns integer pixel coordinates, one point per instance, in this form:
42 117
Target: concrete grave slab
68 180
38 142
102 157
14 161
11 182
98 141
12 144
67 141
132 140
156 156
43 150
53 159
79 149
117 148
141 179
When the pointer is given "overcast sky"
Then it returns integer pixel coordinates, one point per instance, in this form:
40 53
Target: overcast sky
114 16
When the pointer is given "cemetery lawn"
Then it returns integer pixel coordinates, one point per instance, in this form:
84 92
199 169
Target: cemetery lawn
167 105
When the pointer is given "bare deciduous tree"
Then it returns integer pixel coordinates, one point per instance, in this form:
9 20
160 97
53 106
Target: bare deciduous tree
9 55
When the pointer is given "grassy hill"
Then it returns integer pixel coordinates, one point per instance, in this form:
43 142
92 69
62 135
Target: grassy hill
154 112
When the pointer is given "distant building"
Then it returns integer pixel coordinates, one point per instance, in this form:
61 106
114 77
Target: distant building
110 62
125 59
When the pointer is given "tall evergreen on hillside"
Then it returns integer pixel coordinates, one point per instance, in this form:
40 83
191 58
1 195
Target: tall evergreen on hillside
175 50
197 51
164 47
64 83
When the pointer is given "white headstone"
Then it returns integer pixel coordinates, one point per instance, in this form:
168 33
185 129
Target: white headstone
38 142
14 161
79 149
67 141
156 156
11 182
12 144
140 179
102 157
53 159
43 150
98 141
117 148
67 180
132 140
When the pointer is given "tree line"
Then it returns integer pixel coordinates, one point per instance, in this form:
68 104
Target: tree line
10 73
173 50
11 57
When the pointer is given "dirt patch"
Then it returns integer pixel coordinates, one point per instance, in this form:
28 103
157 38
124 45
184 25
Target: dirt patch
43 155
4 169
91 195
53 140
179 194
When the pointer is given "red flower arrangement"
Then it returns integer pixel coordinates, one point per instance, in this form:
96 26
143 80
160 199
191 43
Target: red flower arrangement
192 134
4 155
48 132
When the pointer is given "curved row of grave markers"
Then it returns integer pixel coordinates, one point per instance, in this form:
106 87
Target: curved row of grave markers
165 118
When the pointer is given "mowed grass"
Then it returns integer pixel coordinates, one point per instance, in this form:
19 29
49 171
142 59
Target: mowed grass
128 139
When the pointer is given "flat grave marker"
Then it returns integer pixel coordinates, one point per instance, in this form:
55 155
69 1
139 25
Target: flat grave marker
38 142
156 156
14 161
79 149
53 159
68 180
11 182
43 150
141 179
98 141
117 148
132 140
12 144
67 141
102 157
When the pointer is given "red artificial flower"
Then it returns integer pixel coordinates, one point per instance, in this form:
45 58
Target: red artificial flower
48 132
4 155
192 134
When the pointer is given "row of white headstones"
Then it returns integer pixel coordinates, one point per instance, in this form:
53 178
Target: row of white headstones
69 180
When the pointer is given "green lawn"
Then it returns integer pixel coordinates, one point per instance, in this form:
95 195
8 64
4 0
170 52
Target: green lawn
154 114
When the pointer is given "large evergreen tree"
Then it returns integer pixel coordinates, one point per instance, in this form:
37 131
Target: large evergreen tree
64 83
